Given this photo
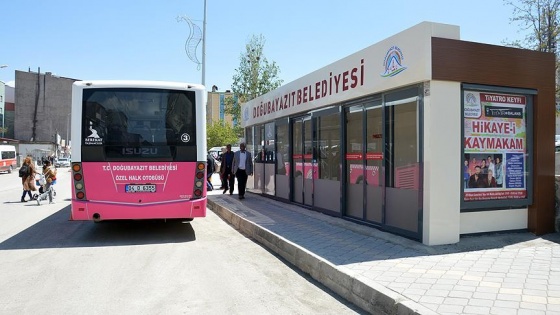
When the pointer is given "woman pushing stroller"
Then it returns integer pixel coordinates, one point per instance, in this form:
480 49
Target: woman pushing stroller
49 177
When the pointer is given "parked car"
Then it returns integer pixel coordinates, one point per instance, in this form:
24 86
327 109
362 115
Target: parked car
62 162
557 142
215 151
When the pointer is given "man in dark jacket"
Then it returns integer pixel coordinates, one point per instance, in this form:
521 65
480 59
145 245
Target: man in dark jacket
228 178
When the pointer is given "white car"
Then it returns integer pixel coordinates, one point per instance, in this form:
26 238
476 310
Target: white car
557 142
215 151
62 162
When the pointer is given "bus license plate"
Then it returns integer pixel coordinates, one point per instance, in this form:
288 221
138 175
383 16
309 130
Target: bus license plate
140 188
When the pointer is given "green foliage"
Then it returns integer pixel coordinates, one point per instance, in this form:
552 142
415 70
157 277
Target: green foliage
232 107
255 76
220 133
540 21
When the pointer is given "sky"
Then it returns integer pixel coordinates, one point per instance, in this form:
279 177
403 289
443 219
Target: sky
143 39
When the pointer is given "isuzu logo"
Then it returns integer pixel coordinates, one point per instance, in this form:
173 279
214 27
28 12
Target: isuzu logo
139 151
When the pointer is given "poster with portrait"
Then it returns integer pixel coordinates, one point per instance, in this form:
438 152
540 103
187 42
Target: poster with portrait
495 146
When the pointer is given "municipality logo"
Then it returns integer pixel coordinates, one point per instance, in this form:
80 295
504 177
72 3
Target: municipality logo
472 108
393 62
471 99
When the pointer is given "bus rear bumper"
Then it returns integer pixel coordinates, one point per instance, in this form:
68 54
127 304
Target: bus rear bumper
100 211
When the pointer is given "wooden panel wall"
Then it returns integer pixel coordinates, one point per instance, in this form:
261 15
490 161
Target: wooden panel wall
467 62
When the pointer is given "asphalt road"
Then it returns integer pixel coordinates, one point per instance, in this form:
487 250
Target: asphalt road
50 265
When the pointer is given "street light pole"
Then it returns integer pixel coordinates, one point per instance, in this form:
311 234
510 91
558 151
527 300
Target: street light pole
204 46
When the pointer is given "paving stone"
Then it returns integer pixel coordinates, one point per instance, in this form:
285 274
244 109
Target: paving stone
476 310
485 296
502 311
481 302
515 273
532 306
509 297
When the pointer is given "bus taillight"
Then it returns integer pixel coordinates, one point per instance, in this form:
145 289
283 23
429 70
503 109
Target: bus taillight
78 177
199 179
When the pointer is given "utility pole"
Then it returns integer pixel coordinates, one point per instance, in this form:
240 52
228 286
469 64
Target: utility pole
204 46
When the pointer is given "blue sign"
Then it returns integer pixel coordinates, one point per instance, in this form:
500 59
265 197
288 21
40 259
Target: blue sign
515 170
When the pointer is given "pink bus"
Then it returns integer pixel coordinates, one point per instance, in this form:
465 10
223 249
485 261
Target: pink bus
138 150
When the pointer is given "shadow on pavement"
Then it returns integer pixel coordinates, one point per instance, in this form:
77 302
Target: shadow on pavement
56 231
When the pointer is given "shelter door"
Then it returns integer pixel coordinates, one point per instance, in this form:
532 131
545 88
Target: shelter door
303 160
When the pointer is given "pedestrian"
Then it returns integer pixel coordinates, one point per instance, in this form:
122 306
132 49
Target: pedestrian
27 173
220 159
242 167
228 178
210 169
49 177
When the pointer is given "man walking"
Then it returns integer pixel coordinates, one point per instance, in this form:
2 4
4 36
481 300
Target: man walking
228 178
242 167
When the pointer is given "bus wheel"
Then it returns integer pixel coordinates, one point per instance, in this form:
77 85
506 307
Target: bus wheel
10 169
188 220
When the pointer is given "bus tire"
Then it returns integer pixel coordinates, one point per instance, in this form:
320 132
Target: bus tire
10 169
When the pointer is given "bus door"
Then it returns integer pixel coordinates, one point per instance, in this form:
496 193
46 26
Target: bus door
304 162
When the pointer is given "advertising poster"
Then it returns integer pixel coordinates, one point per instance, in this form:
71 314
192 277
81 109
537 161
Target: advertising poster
495 146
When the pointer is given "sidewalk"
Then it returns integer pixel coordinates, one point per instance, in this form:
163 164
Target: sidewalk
515 273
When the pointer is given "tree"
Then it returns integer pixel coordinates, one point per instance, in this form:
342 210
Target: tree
219 134
255 76
540 19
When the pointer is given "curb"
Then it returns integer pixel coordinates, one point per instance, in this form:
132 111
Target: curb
373 298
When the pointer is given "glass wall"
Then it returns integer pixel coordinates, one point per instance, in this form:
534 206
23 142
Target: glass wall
268 158
326 186
296 170
403 165
309 168
361 160
354 161
374 170
258 153
250 147
364 161
282 160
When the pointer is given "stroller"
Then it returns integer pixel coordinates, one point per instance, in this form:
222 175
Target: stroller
41 182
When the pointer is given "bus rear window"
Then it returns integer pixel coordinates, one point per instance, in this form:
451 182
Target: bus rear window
120 116
126 122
